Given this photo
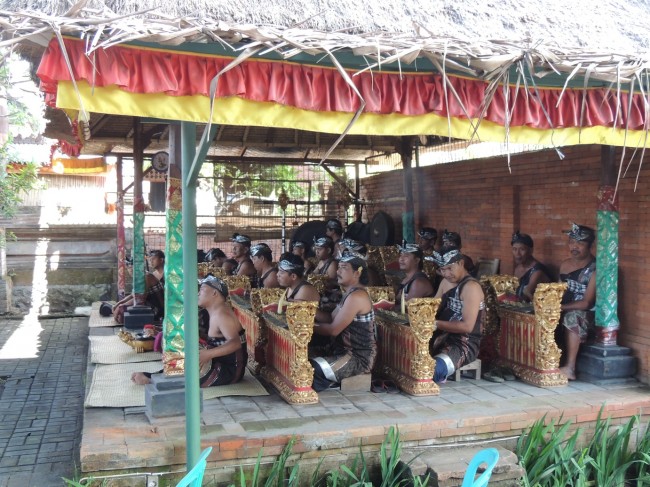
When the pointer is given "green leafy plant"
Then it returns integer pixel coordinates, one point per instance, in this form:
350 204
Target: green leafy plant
277 476
548 457
610 454
551 459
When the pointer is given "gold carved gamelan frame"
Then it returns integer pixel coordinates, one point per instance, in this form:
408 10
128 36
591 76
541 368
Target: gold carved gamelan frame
525 341
249 314
287 365
403 346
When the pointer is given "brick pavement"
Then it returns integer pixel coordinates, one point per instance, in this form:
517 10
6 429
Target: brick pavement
41 401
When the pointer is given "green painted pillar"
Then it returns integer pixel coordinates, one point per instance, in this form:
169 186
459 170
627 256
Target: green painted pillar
174 342
139 265
607 323
190 296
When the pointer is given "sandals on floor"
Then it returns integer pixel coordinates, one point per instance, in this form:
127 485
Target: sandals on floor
493 376
499 374
380 386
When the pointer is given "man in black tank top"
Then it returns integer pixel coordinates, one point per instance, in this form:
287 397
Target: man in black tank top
456 340
415 284
241 253
528 270
291 276
262 258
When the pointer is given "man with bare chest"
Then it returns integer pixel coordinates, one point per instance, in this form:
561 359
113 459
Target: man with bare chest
223 359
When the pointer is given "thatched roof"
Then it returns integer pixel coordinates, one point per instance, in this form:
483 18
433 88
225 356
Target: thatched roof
609 39
582 42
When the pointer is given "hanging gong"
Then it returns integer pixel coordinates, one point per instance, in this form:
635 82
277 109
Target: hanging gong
382 229
358 231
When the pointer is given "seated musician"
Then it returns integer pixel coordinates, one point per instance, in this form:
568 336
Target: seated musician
154 282
334 230
262 258
427 237
457 337
579 272
300 249
215 255
450 241
349 245
229 266
241 253
528 270
416 283
291 276
352 326
224 360
327 265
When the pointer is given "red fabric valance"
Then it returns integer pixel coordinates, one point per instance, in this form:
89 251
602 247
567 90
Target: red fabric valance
140 70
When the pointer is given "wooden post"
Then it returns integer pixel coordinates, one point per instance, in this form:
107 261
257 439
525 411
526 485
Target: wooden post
405 149
121 239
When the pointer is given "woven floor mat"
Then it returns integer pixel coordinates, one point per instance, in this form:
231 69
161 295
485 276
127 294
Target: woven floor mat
111 386
112 350
96 320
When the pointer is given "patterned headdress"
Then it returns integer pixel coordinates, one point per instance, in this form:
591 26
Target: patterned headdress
334 224
581 233
445 257
353 246
324 242
242 239
522 238
451 240
291 267
261 249
407 248
428 233
215 283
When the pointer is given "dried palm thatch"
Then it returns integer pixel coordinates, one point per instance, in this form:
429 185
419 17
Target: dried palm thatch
507 41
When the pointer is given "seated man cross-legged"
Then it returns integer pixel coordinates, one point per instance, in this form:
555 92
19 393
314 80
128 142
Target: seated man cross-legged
352 327
224 359
457 337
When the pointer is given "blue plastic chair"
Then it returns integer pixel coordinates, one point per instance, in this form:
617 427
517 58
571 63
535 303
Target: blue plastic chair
194 478
490 456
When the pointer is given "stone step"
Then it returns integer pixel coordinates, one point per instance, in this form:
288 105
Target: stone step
446 466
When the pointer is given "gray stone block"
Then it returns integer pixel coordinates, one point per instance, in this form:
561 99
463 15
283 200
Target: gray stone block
163 382
598 363
163 401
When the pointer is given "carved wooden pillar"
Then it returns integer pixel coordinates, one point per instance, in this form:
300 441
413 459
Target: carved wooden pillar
607 323
173 326
121 239
139 266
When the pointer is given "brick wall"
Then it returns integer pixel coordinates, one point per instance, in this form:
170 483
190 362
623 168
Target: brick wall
540 195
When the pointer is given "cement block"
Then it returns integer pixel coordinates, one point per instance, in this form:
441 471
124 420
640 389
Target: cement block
166 403
605 362
165 383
